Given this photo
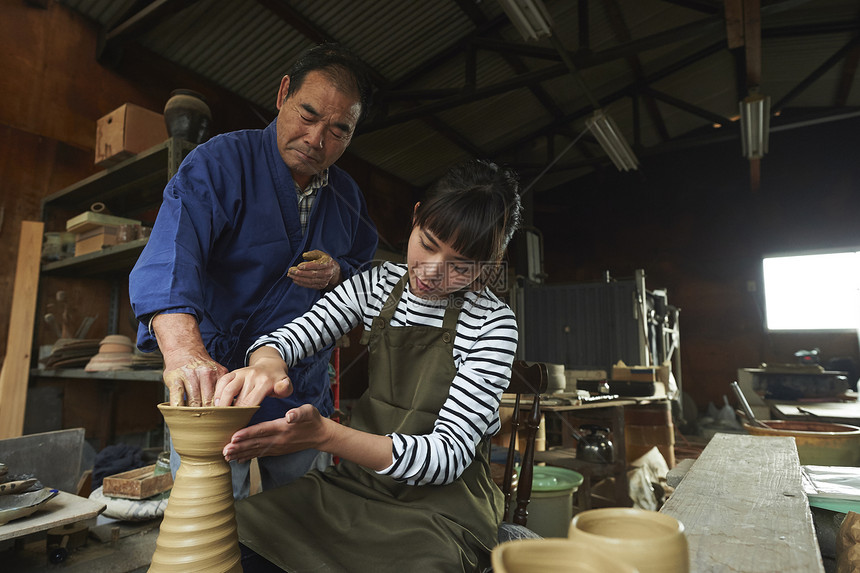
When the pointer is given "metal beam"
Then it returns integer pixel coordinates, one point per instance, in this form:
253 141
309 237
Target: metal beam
521 81
817 73
810 30
455 50
145 20
688 107
133 25
476 15
622 34
846 78
296 20
711 7
711 137
583 60
583 18
626 91
580 61
454 136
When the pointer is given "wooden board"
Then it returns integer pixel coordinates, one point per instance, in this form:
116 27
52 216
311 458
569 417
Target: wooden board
137 484
16 366
744 509
89 220
64 508
834 412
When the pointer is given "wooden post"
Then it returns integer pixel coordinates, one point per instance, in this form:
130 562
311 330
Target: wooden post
16 366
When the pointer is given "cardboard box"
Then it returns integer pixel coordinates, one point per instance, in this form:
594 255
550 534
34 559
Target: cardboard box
126 131
96 239
621 371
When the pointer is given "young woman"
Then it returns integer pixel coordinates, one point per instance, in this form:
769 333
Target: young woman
413 490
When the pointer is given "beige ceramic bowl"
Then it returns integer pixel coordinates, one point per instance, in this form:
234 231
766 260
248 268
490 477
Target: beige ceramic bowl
650 541
818 443
115 343
554 556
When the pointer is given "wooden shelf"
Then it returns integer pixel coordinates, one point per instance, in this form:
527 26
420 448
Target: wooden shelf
119 401
109 260
128 187
80 373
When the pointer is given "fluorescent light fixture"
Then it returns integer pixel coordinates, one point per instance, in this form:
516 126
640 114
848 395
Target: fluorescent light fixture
755 125
529 16
606 131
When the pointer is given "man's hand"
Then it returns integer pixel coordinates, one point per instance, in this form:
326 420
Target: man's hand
319 271
195 378
190 373
265 376
301 428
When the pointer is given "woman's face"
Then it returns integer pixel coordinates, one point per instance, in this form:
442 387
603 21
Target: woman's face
435 269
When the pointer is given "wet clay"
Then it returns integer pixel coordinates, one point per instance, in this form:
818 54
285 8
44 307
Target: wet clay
198 532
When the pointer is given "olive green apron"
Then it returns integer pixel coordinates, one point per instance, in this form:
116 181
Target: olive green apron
350 519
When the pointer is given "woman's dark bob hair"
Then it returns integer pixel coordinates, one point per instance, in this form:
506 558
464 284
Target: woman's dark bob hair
475 208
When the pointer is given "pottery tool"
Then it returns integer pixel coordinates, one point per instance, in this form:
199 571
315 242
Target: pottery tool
51 321
84 328
807 412
746 406
16 486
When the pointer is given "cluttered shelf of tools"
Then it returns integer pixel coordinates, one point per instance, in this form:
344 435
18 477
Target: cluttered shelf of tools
115 258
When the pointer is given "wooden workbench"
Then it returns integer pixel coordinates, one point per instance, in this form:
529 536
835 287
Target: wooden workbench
833 412
744 508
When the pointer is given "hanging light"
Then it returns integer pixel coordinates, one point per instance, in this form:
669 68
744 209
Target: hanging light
606 131
755 125
529 16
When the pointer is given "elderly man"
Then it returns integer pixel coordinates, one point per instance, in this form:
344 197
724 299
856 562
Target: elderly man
252 228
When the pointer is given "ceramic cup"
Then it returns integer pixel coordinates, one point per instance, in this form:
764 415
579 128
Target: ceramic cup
545 555
650 541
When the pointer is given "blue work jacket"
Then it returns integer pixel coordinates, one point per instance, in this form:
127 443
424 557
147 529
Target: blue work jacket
226 233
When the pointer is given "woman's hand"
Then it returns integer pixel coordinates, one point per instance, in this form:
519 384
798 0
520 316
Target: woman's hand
304 428
301 428
266 376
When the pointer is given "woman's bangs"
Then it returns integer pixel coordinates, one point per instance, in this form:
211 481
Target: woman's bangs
469 227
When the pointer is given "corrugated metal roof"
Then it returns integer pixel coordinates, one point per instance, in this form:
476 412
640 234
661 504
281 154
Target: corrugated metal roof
245 48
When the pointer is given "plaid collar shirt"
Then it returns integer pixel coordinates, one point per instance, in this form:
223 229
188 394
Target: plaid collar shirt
306 197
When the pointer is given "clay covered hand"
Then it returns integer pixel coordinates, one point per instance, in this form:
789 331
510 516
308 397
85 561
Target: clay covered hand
300 429
191 379
266 376
318 271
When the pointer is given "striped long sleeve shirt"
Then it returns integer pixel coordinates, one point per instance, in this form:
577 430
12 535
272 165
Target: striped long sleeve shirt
484 349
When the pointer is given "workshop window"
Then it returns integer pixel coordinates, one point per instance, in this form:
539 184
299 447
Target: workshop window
812 291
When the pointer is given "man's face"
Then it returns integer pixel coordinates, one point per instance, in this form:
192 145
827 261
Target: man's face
315 125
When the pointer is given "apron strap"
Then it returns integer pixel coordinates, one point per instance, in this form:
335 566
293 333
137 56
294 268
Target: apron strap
388 308
449 321
393 299
452 312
